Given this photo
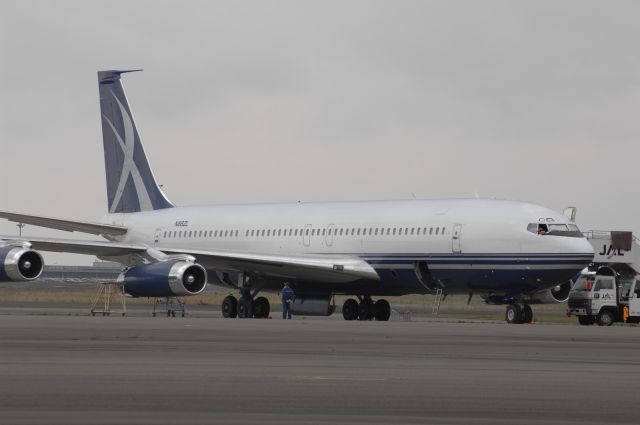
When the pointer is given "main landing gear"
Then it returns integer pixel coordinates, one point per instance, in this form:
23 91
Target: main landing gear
366 309
231 307
519 313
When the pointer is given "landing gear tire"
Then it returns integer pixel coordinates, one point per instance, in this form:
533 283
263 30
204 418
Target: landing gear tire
261 308
382 310
229 306
514 315
241 309
605 318
365 310
586 320
350 309
527 314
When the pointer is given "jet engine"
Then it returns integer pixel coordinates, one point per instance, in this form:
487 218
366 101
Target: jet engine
18 263
557 294
164 279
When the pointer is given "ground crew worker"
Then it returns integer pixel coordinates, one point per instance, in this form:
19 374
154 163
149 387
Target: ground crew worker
287 300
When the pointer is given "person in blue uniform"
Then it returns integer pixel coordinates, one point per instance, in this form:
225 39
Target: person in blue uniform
287 296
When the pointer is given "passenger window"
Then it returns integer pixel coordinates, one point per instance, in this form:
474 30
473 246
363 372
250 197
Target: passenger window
437 230
443 230
307 232
324 232
236 233
290 232
412 230
431 230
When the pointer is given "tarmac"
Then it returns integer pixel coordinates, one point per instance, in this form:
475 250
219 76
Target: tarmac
59 369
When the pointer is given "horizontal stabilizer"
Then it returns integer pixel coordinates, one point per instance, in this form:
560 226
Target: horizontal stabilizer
65 225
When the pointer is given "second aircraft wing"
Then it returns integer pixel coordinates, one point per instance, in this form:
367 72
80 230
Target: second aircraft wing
310 267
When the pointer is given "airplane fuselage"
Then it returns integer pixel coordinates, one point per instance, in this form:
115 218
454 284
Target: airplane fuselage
464 245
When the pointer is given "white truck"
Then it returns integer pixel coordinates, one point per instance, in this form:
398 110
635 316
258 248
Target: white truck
603 297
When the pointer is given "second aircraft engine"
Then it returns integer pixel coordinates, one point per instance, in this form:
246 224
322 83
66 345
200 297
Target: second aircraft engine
18 264
164 279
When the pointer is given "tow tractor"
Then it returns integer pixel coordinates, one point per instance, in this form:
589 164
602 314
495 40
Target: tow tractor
604 297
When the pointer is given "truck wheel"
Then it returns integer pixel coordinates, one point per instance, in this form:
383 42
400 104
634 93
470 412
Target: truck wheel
586 320
605 318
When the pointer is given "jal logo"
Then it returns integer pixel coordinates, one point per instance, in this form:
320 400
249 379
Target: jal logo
610 252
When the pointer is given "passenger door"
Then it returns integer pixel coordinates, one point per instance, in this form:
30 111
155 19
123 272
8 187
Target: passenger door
306 235
329 238
156 237
455 239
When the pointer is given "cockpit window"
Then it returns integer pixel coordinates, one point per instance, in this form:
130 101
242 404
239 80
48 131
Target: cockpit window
568 230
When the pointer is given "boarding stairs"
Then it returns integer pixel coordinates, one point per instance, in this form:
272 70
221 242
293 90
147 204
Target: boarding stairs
619 250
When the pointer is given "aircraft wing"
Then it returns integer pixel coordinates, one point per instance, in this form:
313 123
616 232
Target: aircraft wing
312 267
66 225
103 248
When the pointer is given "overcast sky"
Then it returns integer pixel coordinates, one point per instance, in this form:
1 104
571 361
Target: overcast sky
290 100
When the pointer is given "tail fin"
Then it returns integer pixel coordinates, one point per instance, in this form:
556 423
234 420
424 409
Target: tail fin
131 186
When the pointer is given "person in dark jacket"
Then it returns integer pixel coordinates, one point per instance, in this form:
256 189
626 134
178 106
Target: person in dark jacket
287 296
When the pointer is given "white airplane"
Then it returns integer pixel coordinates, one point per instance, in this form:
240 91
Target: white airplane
508 252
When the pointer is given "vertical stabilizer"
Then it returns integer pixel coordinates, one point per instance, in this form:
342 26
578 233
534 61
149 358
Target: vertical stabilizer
131 186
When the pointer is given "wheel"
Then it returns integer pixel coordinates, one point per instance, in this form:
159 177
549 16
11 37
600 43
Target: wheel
527 314
605 318
229 306
261 307
350 309
365 310
382 310
586 320
514 314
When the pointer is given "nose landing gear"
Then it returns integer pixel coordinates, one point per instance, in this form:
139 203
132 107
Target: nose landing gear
518 313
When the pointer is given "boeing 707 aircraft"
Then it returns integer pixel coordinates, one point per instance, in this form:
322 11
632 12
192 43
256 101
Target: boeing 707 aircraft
508 252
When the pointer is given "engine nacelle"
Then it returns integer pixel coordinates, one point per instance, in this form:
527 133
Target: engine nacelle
557 294
164 279
18 264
